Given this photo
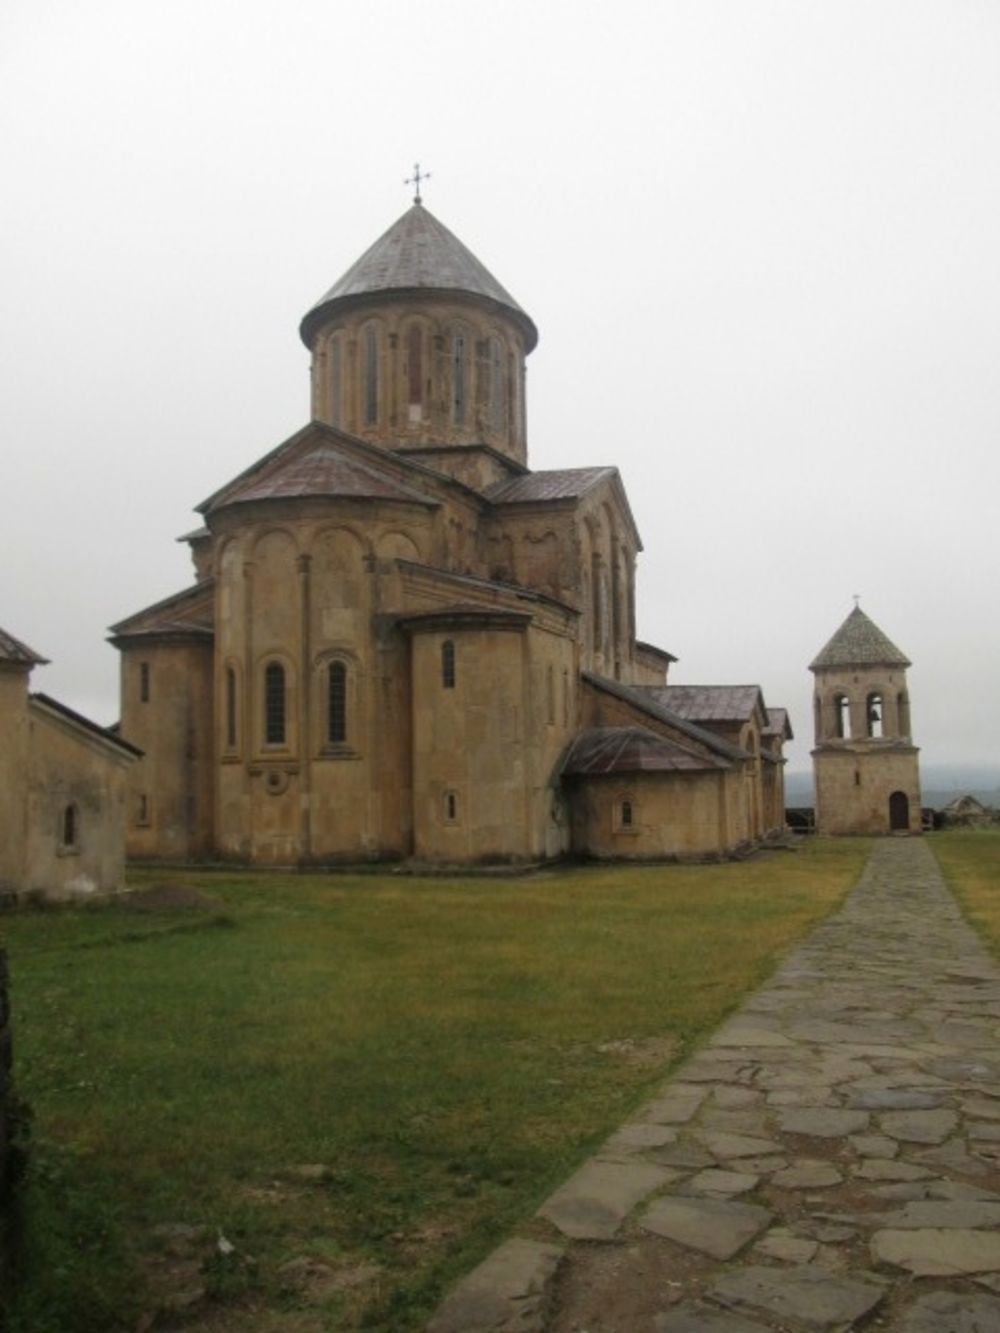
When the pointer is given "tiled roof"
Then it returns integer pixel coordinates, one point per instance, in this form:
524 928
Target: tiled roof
108 734
417 253
779 724
643 698
13 650
560 484
652 649
323 470
610 750
708 703
190 612
859 642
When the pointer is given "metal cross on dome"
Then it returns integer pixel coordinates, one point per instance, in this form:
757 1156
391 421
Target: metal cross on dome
415 179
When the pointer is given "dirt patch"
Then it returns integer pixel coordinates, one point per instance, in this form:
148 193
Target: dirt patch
168 897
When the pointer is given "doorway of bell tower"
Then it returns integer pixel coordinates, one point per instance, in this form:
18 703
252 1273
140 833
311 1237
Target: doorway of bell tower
899 812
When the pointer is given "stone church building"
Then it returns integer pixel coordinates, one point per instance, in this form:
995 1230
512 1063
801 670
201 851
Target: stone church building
865 765
403 642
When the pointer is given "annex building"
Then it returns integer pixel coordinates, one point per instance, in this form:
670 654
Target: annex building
403 642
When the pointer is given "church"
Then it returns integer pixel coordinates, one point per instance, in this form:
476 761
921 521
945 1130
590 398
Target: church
403 643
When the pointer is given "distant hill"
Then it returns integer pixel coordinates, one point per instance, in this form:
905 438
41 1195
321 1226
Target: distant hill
940 783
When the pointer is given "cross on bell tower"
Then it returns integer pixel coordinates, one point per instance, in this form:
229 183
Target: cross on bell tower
415 180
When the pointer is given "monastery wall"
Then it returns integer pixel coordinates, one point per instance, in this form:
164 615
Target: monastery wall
13 766
678 815
853 787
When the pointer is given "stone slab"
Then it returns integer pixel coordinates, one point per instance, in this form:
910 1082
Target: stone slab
693 1317
919 1126
595 1201
936 1252
718 1227
823 1122
815 1297
505 1294
952 1312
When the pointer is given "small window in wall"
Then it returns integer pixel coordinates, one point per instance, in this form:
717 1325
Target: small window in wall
873 715
230 708
415 370
448 664
841 716
336 718
626 814
336 383
142 809
450 807
144 682
458 379
69 829
371 377
274 704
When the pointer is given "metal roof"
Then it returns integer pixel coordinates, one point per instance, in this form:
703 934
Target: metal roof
611 750
558 484
643 697
13 650
779 724
709 703
190 612
417 253
857 643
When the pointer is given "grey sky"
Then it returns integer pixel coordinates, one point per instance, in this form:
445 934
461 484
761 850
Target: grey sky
760 242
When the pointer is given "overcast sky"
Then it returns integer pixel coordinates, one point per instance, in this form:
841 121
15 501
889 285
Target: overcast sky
760 239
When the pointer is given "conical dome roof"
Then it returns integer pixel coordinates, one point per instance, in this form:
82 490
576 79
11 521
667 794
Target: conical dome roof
858 643
417 254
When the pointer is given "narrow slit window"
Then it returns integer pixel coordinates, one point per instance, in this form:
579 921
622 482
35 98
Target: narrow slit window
414 366
144 682
450 807
458 379
626 814
448 664
70 830
336 729
143 815
230 708
274 704
371 377
336 382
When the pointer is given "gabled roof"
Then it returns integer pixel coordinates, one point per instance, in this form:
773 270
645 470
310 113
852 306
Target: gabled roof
46 704
859 642
651 650
710 703
417 254
323 470
558 484
13 650
643 698
570 483
779 724
610 750
342 461
190 613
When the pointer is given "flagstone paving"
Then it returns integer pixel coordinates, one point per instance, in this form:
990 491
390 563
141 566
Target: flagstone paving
830 1159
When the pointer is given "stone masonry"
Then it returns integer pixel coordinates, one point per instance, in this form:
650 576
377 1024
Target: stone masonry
830 1159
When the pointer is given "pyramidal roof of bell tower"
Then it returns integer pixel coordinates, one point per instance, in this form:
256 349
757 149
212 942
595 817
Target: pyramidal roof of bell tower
858 643
418 254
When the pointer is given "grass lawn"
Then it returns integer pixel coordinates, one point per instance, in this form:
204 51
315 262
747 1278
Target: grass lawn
449 1049
970 862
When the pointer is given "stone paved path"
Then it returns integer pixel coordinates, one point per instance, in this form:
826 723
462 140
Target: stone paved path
830 1159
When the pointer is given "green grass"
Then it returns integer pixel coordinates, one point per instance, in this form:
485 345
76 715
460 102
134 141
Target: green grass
970 862
450 1048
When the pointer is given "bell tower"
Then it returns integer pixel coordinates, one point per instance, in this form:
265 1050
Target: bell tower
865 765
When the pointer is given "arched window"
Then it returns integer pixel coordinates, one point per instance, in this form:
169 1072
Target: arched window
336 383
274 704
415 371
371 376
626 813
448 664
336 715
458 374
873 714
230 708
69 830
841 716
